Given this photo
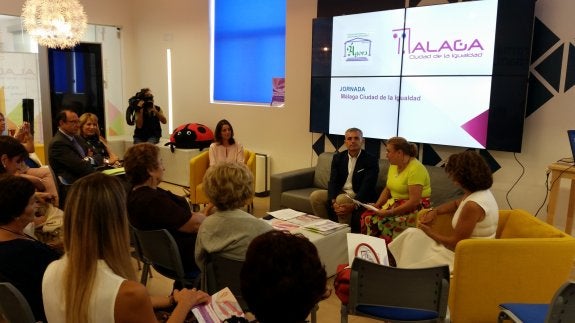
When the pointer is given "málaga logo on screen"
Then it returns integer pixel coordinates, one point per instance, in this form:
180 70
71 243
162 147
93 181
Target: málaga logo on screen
445 48
358 48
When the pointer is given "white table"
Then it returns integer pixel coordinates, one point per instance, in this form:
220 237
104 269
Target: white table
332 248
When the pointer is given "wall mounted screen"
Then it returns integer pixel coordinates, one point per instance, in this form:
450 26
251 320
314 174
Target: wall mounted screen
453 74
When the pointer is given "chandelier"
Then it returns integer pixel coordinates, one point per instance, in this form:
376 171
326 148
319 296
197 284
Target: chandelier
54 23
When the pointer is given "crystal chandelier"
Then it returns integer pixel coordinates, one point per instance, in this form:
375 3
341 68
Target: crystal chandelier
54 23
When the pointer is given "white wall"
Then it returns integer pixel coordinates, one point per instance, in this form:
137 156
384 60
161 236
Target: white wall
150 26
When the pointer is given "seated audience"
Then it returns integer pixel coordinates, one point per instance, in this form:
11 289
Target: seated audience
90 131
225 148
406 191
228 231
282 278
12 155
69 154
475 215
152 208
23 259
95 279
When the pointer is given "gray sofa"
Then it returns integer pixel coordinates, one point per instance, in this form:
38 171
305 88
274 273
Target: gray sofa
292 189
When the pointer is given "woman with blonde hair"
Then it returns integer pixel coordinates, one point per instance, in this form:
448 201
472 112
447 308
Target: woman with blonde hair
407 190
95 280
228 231
90 131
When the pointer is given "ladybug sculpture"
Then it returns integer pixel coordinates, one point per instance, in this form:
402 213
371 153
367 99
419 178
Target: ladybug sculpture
191 136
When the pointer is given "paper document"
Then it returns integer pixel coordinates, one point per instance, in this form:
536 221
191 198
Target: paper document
366 247
285 214
222 306
367 206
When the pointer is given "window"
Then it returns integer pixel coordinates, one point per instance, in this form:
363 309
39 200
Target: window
248 49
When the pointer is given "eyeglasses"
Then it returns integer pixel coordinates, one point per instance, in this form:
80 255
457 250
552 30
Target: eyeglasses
73 121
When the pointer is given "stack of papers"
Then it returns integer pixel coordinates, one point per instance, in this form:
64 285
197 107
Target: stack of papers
325 227
286 214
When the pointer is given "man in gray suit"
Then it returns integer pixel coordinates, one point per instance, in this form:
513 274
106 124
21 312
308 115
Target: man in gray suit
69 155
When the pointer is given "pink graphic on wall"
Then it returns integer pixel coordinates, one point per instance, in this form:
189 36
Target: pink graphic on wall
477 127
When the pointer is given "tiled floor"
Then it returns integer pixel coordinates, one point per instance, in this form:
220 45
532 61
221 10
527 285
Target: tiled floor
329 309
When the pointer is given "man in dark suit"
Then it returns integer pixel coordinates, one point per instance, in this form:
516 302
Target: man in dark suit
69 155
353 173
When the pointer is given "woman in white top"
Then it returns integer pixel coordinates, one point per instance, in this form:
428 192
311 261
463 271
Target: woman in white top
95 280
225 148
475 215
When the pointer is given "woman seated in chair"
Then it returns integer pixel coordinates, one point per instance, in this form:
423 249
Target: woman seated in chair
407 190
21 146
23 259
152 208
90 131
225 148
475 215
228 231
95 280
12 155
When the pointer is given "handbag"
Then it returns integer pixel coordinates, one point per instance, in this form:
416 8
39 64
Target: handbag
341 283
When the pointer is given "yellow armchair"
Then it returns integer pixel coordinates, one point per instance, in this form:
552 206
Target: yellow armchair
526 263
198 167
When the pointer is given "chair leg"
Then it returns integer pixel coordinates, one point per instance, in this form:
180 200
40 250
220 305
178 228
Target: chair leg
145 272
314 313
343 313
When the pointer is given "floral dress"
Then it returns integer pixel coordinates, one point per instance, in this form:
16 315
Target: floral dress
389 227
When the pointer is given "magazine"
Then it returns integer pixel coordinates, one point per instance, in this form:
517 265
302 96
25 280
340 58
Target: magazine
222 306
325 227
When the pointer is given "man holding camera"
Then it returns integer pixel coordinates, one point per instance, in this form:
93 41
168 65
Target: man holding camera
147 117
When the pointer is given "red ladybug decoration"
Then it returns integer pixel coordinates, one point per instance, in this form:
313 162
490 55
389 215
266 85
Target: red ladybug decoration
191 136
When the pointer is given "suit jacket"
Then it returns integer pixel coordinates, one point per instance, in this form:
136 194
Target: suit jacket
65 160
363 180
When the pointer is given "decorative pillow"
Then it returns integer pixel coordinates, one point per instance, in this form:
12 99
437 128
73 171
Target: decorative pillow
322 170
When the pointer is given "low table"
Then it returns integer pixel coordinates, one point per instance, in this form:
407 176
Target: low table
332 248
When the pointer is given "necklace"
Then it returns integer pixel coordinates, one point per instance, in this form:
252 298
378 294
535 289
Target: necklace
24 235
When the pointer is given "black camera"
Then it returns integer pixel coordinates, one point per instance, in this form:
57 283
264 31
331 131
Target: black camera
148 102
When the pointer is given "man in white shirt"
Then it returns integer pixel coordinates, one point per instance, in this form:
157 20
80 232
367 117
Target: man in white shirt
353 173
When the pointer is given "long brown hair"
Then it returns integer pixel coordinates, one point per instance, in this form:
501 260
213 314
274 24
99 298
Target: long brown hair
95 228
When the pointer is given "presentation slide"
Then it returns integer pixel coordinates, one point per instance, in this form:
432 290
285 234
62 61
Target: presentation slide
448 110
455 39
364 45
370 104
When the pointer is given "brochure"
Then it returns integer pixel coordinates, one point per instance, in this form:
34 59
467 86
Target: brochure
223 306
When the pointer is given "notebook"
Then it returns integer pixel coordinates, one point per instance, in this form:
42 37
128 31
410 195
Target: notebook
571 134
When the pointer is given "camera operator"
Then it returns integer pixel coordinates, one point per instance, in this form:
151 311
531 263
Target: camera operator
147 117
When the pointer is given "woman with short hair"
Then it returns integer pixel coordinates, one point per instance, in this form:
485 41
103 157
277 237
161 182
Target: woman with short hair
228 231
23 259
90 131
152 208
407 190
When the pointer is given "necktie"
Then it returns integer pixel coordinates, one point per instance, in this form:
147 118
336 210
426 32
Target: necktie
78 147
